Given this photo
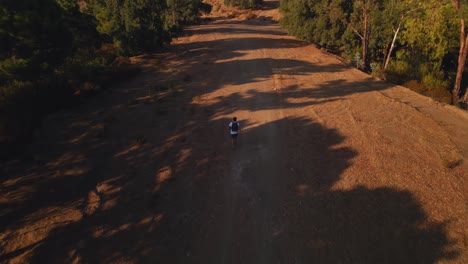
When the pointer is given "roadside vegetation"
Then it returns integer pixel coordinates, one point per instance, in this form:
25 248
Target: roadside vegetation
419 44
54 52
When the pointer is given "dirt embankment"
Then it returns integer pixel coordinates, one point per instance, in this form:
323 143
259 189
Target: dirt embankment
332 166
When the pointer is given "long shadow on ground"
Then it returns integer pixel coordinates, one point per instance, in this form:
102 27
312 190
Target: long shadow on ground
191 215
149 186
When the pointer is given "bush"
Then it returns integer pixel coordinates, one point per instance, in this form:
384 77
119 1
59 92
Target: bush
91 68
376 69
398 72
85 66
434 80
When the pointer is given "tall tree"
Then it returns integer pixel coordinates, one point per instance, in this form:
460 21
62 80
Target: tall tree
397 12
317 21
182 12
133 26
143 25
361 22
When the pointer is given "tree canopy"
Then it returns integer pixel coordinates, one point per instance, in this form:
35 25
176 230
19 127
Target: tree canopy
400 40
49 49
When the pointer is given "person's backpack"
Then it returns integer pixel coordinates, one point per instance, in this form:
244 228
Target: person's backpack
234 126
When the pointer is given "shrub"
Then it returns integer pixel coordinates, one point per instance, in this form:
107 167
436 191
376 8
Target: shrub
397 72
434 80
376 69
86 65
96 68
357 61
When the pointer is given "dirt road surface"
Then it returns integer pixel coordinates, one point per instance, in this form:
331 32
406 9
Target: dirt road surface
332 166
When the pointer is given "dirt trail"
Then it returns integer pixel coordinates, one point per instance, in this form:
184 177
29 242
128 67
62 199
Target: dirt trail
332 166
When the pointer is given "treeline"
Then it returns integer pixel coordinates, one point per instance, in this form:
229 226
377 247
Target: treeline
52 50
420 44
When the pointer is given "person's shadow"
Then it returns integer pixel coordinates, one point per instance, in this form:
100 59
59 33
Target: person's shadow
264 212
183 198
290 213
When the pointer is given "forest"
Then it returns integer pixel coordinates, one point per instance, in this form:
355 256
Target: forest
419 44
53 50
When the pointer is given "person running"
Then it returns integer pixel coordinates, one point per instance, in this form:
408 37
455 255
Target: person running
234 129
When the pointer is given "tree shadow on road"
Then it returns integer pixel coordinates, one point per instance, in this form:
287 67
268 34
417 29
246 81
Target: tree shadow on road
192 199
165 186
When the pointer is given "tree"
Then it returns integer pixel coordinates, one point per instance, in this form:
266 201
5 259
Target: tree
143 25
317 21
360 23
32 38
183 12
133 26
422 35
397 12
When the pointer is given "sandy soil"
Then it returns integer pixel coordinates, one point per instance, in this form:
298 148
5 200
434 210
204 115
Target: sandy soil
332 165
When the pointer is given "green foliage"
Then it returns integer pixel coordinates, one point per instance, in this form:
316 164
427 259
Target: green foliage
33 37
435 80
427 32
184 12
317 21
397 72
53 50
85 65
136 26
376 69
133 26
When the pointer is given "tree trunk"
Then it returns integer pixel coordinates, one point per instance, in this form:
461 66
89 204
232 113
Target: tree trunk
364 54
461 56
392 46
461 61
365 43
